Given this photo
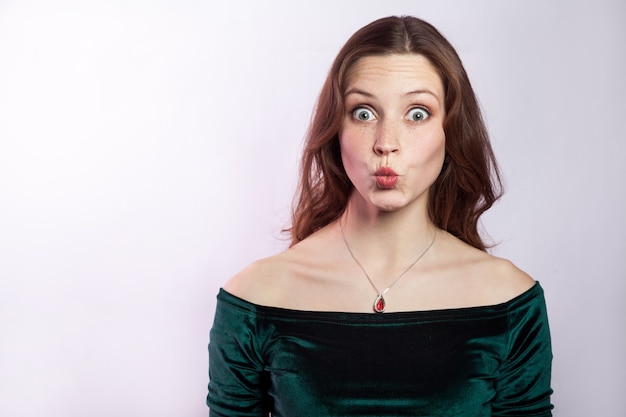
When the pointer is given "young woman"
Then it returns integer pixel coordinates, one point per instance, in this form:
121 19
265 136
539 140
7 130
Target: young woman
386 303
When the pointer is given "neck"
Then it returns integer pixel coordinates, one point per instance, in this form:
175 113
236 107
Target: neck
393 238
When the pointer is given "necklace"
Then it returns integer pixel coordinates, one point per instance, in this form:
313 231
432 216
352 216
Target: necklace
379 302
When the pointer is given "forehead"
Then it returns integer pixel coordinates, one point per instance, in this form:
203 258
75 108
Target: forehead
403 71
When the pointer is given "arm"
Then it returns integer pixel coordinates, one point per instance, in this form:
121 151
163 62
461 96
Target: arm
235 367
523 386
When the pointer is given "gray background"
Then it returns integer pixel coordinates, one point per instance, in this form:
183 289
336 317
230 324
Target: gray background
149 150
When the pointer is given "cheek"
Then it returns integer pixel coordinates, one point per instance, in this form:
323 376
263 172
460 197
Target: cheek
440 148
348 159
352 147
431 151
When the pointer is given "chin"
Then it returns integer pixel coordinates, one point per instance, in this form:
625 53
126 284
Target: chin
391 201
389 206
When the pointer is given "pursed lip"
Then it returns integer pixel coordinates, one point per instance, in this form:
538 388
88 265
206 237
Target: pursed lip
386 178
385 172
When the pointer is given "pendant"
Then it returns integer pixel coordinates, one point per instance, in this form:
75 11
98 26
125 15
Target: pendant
379 304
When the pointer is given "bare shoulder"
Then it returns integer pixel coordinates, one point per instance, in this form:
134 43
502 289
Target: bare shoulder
260 281
484 279
289 278
507 280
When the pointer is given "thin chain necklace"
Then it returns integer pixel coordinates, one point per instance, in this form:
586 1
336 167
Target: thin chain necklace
379 302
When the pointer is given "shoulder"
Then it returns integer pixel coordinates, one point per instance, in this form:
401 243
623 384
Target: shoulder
507 280
260 282
485 278
287 279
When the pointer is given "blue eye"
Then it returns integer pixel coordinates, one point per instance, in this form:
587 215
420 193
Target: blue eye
362 114
418 114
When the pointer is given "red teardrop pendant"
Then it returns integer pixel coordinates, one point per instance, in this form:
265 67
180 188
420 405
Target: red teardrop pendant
379 304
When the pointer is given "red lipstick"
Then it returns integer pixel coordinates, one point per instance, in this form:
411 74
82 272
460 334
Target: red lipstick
386 178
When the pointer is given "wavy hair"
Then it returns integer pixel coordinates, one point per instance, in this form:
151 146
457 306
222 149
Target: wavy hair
469 182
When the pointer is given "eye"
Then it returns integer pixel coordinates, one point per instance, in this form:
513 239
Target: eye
418 114
363 114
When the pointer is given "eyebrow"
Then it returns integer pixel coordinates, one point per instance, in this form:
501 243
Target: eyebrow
410 93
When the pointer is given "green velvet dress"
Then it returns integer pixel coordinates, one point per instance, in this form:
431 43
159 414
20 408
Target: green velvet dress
479 361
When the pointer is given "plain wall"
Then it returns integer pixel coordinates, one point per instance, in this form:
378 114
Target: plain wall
149 150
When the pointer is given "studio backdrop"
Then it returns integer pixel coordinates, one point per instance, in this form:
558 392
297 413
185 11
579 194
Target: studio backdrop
149 151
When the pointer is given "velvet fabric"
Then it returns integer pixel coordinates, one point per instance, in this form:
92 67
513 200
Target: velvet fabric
478 361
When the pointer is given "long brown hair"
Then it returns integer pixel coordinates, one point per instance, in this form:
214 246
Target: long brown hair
469 182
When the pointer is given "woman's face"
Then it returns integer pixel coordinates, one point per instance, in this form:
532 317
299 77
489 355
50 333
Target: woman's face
392 140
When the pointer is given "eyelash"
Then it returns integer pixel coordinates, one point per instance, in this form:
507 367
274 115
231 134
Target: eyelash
424 108
361 107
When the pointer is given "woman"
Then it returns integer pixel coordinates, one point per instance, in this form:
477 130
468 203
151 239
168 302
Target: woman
386 303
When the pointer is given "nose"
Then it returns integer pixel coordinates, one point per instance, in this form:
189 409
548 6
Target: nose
386 138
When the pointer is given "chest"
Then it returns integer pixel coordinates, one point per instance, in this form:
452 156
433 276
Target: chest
432 368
